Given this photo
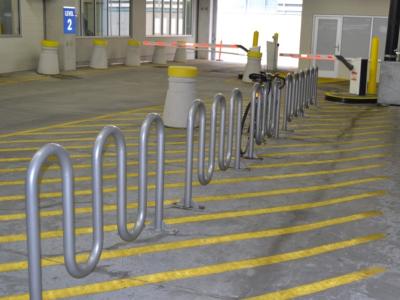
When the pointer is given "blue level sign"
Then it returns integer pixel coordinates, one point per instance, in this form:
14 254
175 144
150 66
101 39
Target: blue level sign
69 20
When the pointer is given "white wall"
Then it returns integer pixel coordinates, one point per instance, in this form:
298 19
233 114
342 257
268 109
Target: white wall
21 52
336 7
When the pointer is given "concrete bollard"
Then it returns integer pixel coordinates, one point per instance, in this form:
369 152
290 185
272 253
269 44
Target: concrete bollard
180 53
180 96
160 55
48 60
253 63
133 53
99 55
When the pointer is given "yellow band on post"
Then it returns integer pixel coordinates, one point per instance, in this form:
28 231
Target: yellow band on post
98 42
182 71
254 54
50 44
255 39
373 66
134 43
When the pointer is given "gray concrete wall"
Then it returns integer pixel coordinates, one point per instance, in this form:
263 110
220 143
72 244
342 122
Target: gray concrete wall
19 53
337 7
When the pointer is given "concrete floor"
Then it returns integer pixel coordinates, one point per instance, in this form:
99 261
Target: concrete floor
317 218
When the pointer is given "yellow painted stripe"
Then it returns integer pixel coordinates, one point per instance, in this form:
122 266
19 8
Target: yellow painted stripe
124 283
87 166
315 162
81 147
321 286
112 154
342 125
47 195
134 163
320 152
30 131
340 130
201 242
339 135
169 172
205 218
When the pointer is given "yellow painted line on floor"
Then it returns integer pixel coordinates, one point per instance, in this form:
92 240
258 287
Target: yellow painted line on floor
322 285
183 151
340 130
300 125
81 147
201 242
207 270
315 162
170 172
343 135
54 167
237 180
32 131
321 152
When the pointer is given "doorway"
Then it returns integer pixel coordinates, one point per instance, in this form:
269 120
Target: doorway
349 36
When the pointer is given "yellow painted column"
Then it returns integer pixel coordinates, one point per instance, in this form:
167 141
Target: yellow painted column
373 66
255 39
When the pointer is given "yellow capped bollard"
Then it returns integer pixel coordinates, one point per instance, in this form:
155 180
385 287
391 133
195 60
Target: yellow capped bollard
180 96
133 53
373 66
48 60
99 58
255 38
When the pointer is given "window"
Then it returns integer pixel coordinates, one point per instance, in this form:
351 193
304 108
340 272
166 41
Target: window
169 17
9 17
105 17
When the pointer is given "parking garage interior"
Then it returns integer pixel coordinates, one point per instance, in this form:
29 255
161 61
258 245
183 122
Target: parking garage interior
308 211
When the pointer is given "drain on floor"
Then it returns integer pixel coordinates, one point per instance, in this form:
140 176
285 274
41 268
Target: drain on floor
161 67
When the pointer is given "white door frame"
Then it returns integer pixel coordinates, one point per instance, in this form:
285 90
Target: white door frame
334 73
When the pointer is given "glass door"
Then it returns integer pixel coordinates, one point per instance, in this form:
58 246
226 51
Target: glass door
326 41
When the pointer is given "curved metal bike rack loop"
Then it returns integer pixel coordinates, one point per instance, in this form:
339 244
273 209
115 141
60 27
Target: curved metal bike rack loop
124 232
204 173
33 216
254 120
276 90
224 161
288 101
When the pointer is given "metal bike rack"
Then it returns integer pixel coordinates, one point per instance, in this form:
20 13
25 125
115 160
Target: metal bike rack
255 120
32 200
224 160
126 235
287 116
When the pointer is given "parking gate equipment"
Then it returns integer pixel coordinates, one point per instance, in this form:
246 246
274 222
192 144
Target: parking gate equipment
32 199
224 161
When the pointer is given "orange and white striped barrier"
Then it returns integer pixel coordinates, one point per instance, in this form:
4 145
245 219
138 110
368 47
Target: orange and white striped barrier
326 57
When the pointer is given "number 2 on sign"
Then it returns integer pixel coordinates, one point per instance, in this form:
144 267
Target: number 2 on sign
69 21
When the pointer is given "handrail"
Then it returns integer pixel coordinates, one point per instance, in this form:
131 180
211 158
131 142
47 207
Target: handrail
124 232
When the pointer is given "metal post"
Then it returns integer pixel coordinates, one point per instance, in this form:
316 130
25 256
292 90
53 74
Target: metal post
316 86
302 93
277 108
143 185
